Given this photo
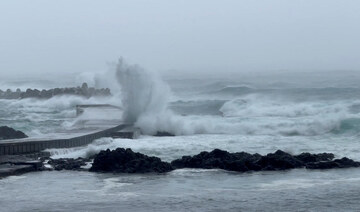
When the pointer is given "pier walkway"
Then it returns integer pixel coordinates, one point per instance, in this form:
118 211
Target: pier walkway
64 140
82 133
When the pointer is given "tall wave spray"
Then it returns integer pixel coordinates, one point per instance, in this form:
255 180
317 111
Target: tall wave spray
145 99
144 94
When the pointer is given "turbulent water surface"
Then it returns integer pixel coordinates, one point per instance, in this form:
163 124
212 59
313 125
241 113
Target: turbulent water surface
234 115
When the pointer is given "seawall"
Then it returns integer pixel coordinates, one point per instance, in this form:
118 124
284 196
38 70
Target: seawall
14 147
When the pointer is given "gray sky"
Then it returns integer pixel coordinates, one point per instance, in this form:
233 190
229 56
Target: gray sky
47 36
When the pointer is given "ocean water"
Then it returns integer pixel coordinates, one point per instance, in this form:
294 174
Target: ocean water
183 190
257 115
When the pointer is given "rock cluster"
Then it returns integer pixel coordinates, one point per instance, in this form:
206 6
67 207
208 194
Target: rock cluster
338 163
84 90
126 161
10 133
279 160
68 163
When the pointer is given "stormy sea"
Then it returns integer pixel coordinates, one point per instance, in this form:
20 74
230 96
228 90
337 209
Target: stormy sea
303 112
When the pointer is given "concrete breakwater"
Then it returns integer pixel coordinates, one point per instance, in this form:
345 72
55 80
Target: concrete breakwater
84 91
28 146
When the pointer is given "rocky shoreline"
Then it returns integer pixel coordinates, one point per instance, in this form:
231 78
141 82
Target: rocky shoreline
126 161
280 160
83 91
123 160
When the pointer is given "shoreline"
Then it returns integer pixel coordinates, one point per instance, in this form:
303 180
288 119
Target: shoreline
122 161
18 156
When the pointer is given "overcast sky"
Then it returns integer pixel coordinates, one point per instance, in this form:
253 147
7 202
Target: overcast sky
45 36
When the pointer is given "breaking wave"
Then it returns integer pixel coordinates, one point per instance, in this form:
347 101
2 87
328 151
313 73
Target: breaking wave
222 109
146 100
143 92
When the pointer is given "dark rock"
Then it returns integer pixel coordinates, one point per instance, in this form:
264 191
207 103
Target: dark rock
68 163
338 163
9 94
219 159
57 91
163 134
84 86
84 89
36 93
307 157
29 93
279 161
46 94
10 133
126 161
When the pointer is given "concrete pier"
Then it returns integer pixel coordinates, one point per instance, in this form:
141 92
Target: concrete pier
28 146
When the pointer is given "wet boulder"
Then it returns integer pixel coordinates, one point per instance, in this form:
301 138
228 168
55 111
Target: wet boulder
46 94
219 159
337 163
308 157
10 133
57 91
84 89
9 94
126 161
68 163
30 93
279 161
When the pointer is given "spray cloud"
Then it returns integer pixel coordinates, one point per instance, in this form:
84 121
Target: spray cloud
143 92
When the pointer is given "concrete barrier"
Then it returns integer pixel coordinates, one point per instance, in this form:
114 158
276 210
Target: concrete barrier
32 146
